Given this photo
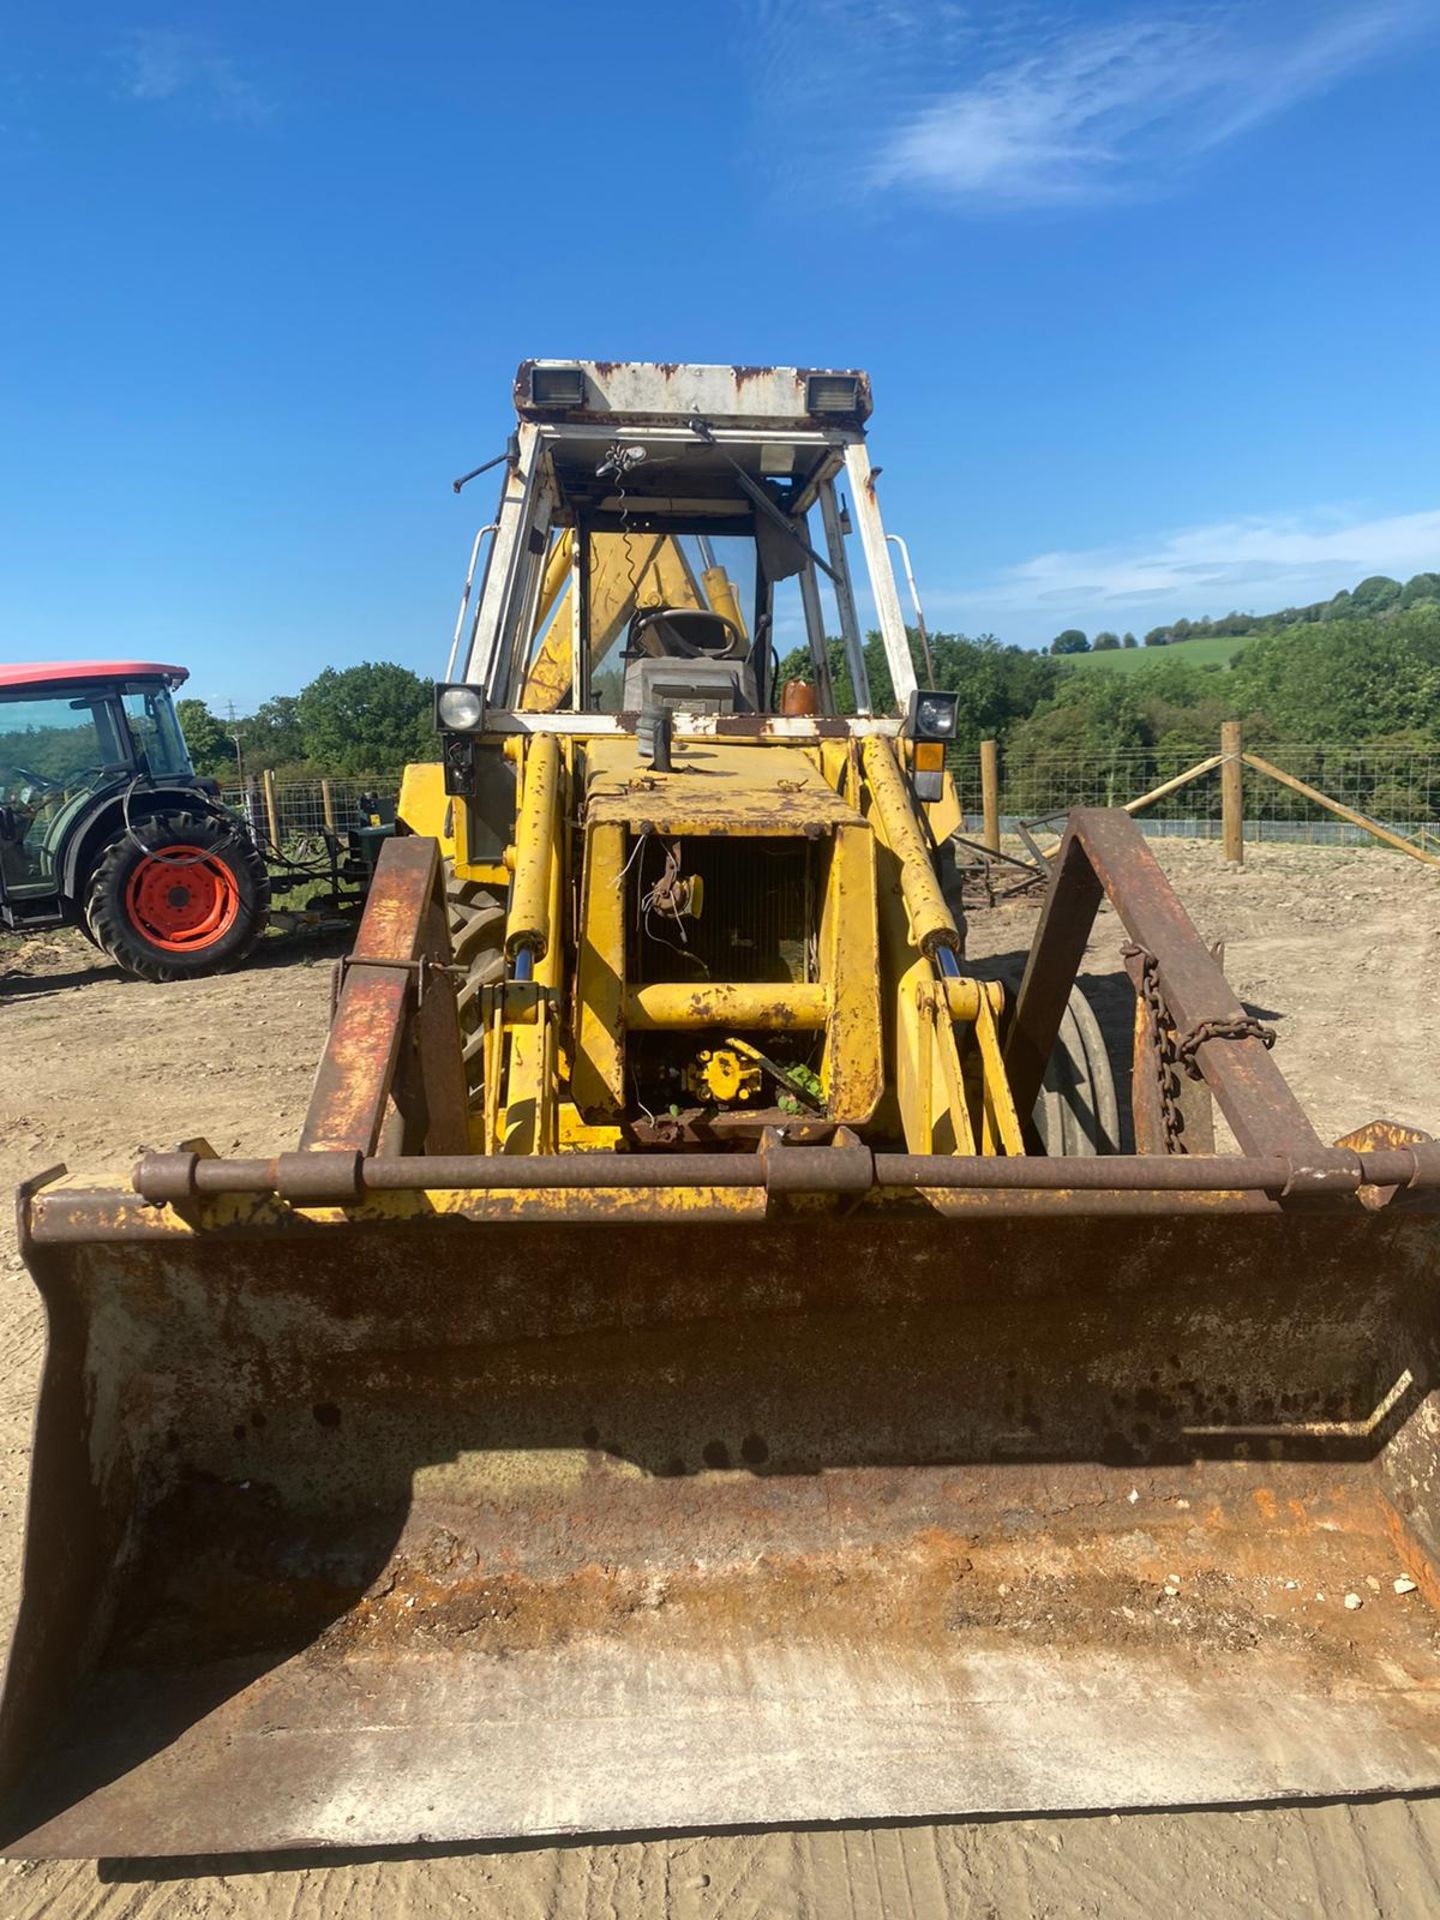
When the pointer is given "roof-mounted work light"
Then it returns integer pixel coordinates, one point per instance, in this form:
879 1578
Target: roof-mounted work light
557 387
832 393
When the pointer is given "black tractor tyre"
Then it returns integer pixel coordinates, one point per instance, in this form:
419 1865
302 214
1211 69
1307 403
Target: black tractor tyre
177 895
477 939
1077 1111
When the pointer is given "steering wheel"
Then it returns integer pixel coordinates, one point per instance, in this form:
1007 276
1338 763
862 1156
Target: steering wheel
44 779
677 647
37 779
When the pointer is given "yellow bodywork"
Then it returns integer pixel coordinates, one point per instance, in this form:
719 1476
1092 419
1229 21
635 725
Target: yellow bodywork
424 806
901 1050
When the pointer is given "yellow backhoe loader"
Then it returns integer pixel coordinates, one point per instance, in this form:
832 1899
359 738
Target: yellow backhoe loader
714 1356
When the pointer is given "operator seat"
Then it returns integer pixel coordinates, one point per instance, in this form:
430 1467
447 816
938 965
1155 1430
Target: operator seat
689 658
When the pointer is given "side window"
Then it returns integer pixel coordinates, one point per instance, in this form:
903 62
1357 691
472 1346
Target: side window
52 753
48 746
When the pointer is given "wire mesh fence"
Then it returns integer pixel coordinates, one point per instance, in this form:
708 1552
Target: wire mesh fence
304 809
1397 786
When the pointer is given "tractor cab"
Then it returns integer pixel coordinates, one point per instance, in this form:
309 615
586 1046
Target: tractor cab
104 824
67 734
671 549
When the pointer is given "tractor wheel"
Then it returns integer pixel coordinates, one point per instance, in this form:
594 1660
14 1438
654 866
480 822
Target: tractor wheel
1076 1112
178 895
477 937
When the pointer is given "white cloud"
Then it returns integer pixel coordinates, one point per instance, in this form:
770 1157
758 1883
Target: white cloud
1017 104
829 77
161 66
1093 112
1250 566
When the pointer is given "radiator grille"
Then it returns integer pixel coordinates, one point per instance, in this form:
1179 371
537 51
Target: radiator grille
758 921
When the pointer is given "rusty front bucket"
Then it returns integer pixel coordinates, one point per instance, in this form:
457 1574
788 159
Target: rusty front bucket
413 1525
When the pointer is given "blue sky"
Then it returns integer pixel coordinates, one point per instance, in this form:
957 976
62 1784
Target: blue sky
1149 294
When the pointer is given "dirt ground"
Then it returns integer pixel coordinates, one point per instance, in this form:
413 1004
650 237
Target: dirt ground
1339 950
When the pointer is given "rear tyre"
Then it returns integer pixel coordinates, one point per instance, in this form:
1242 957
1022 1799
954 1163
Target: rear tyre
1077 1113
178 895
477 938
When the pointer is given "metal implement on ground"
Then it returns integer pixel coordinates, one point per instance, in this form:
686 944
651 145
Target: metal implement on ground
714 1355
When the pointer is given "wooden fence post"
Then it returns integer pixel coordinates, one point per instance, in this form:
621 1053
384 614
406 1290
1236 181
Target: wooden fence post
272 811
327 803
990 794
1232 793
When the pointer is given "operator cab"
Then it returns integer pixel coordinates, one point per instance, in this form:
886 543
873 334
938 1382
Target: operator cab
676 537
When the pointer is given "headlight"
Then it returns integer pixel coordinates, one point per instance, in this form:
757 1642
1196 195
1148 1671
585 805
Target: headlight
460 709
932 715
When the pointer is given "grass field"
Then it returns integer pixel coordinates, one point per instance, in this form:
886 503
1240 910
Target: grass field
1195 653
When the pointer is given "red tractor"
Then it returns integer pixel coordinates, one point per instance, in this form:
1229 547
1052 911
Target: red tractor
105 825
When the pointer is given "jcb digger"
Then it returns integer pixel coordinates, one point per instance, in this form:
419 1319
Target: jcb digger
713 1355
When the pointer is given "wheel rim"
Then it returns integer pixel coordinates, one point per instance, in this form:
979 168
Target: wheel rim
183 899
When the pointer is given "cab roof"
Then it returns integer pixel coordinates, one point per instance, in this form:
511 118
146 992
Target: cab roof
51 673
616 392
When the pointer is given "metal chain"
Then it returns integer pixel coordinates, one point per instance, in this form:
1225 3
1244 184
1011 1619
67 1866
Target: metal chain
1174 1052
1240 1027
1172 1119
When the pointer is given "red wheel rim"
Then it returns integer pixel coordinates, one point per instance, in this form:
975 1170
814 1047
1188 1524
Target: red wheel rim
183 899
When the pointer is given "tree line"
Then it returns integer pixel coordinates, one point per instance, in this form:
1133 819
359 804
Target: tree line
1354 682
370 719
1357 681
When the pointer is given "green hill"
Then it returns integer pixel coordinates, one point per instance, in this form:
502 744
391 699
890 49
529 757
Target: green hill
1210 642
1216 650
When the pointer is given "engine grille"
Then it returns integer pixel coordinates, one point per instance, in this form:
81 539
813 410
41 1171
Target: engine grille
759 916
